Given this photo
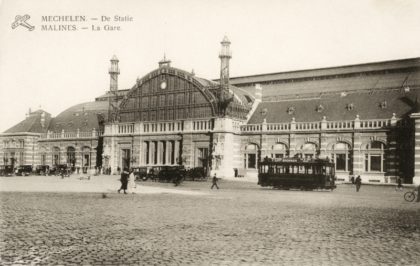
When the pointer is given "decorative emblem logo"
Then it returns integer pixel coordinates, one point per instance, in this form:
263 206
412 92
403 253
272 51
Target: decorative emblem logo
21 21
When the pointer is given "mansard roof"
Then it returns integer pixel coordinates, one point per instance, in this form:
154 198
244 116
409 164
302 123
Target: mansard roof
371 76
368 104
35 122
84 116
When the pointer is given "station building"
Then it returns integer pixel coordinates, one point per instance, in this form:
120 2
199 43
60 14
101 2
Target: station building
366 118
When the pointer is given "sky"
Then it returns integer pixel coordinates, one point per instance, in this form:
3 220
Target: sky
55 70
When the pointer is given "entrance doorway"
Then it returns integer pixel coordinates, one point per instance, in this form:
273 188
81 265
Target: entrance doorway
126 158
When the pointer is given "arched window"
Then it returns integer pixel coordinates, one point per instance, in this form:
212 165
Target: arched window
250 157
71 156
56 156
279 150
375 157
86 156
308 150
342 157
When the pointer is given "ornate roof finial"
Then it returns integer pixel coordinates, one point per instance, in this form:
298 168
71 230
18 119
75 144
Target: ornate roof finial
164 62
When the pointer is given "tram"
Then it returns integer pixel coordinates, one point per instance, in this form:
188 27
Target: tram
304 174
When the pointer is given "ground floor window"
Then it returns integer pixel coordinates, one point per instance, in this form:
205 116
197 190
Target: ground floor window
375 157
252 161
341 156
251 156
56 156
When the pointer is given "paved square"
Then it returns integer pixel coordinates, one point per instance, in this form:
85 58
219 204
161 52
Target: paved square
240 224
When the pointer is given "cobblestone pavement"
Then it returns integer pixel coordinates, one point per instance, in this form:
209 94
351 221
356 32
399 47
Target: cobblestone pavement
240 224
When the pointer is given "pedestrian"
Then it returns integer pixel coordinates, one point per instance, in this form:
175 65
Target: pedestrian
214 181
131 182
399 184
352 179
358 183
124 181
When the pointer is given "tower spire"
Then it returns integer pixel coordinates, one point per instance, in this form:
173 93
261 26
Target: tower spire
225 96
225 55
114 71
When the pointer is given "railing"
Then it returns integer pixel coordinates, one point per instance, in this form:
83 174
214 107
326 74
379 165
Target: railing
204 125
307 126
340 124
251 128
163 127
321 125
126 129
375 124
278 127
72 135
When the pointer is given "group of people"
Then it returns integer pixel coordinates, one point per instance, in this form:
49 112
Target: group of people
357 182
127 181
128 184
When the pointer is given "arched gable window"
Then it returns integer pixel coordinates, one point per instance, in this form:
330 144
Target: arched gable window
375 157
279 150
308 150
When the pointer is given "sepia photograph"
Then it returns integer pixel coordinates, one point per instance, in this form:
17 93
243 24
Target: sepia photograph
235 132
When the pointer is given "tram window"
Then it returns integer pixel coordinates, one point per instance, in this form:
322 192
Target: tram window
263 168
301 169
309 169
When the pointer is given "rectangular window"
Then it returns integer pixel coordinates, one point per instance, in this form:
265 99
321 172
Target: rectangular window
341 162
375 163
153 101
162 100
179 99
153 116
162 115
170 100
144 116
251 160
145 102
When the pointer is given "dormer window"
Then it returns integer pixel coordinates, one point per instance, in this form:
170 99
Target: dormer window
264 111
383 104
350 106
291 110
320 108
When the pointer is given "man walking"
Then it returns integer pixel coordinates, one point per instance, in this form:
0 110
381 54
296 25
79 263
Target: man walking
214 181
124 181
358 183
